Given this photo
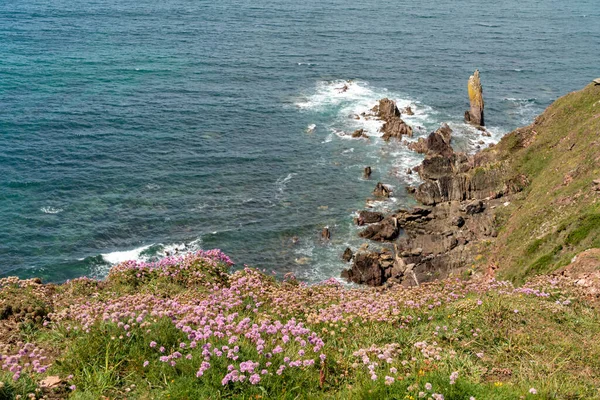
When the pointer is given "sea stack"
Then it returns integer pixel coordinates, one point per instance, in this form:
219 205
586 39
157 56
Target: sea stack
474 116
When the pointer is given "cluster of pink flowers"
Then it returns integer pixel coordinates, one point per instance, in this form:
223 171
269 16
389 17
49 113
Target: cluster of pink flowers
27 358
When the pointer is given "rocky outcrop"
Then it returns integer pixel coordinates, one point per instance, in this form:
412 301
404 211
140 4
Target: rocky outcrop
387 110
437 142
372 268
367 172
475 114
348 255
450 176
359 133
394 126
382 190
368 217
408 111
386 230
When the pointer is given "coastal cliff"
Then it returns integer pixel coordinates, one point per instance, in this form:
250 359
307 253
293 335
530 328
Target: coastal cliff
442 323
525 206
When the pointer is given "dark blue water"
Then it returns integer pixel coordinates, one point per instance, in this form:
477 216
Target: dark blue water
128 129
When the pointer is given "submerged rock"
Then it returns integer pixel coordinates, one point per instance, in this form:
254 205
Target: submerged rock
367 172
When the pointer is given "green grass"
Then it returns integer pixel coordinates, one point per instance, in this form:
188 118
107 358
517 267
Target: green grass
557 215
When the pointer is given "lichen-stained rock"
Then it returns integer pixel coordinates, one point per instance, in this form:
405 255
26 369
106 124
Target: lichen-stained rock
475 114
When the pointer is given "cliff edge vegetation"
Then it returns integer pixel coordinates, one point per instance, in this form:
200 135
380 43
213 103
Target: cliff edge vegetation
557 215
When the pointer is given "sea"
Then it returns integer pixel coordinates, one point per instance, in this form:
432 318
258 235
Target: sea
134 130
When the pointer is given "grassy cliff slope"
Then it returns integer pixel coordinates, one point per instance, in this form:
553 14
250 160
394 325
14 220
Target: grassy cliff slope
557 215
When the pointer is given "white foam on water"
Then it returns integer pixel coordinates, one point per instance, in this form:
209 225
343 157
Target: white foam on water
328 139
51 210
311 128
120 256
281 184
328 94
347 106
525 110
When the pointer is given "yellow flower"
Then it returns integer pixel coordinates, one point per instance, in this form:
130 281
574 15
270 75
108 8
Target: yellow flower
498 384
421 372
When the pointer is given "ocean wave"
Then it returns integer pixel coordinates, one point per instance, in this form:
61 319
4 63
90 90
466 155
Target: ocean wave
524 109
117 257
51 210
281 184
151 252
351 103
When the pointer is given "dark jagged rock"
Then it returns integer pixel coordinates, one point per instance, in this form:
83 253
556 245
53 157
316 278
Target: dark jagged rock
408 111
374 268
474 207
394 126
395 129
458 221
368 217
366 269
325 234
348 255
367 172
387 110
382 190
437 143
359 133
388 229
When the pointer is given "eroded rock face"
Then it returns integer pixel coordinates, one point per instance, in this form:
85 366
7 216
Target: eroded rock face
437 143
373 268
475 114
366 269
368 217
394 126
387 230
387 110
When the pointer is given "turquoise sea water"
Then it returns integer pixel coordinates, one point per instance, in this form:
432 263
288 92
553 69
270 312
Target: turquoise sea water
129 129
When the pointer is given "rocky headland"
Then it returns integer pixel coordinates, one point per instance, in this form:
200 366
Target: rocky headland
465 199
